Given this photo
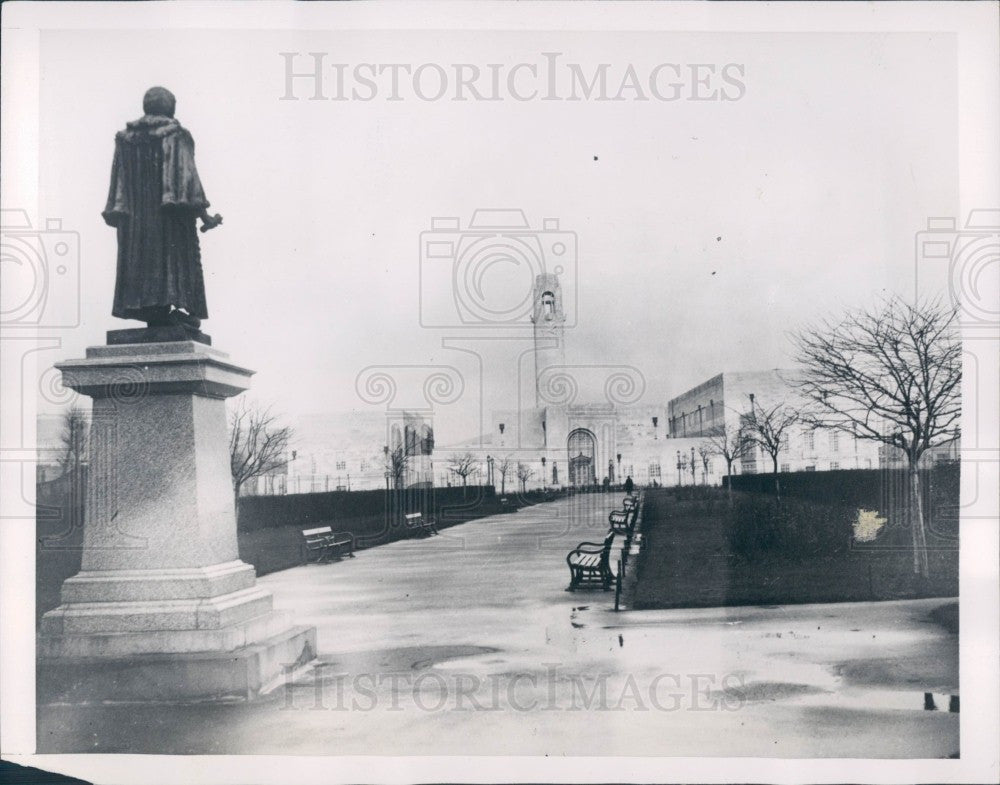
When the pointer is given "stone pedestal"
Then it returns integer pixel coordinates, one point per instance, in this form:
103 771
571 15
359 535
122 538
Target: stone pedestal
162 609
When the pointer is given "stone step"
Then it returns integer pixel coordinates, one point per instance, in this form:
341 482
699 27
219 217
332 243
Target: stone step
158 584
235 673
124 644
207 613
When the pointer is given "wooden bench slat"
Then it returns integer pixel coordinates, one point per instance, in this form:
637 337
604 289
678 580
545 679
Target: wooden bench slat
590 563
417 523
327 543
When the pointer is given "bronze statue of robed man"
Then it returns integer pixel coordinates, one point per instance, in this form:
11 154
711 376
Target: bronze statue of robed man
154 201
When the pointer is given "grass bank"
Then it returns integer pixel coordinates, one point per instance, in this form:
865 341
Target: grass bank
700 551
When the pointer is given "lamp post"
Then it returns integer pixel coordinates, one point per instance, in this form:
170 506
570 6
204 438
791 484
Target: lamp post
489 470
385 452
543 473
680 465
619 457
694 467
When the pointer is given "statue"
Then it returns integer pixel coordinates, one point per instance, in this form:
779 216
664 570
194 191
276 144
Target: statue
154 200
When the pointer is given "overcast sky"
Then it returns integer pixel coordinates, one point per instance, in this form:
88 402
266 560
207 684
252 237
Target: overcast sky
705 230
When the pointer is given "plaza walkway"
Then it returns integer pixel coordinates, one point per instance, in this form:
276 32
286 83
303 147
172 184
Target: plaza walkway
468 643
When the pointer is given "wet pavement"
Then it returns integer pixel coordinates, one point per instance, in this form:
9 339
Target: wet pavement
468 643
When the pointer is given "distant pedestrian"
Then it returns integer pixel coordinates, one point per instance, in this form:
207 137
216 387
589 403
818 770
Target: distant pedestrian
606 483
629 485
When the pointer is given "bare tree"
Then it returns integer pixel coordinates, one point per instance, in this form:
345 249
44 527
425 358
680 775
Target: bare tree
75 440
258 445
464 465
524 473
890 374
727 441
395 462
505 467
768 427
705 452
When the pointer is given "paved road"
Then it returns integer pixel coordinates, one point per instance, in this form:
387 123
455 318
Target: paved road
468 643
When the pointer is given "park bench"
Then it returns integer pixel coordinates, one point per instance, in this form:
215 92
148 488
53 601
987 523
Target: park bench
590 564
622 521
416 523
630 502
325 544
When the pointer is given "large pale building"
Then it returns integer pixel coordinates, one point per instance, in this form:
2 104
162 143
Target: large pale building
351 451
726 400
570 443
558 438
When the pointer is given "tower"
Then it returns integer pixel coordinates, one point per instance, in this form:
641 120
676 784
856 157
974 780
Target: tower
549 319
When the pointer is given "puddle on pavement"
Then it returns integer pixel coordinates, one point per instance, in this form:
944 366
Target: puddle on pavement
894 700
811 695
573 616
398 660
764 691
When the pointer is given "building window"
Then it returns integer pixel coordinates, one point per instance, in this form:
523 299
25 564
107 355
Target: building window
364 466
548 303
810 469
654 470
785 467
834 442
811 443
834 465
784 441
341 465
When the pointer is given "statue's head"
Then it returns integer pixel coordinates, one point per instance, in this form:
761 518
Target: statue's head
159 101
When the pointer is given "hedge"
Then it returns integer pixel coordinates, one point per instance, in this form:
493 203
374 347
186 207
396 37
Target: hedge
755 548
303 509
885 490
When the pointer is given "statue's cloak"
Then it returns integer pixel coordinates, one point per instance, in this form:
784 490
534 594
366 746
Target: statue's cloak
154 199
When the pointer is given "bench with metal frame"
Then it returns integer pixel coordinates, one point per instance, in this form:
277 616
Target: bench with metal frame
590 565
623 521
416 523
325 544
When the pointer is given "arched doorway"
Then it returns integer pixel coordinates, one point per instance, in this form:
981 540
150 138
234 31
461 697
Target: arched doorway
582 449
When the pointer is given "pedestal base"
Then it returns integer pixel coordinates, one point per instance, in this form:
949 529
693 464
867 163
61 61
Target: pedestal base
239 674
161 334
162 609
